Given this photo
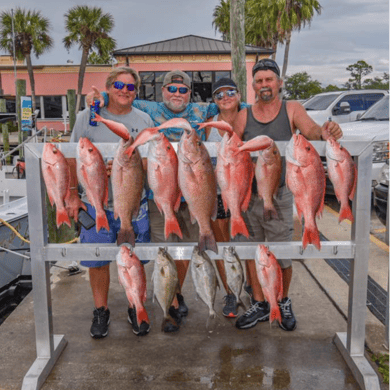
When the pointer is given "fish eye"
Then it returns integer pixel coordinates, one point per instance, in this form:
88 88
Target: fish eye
341 148
90 149
308 148
199 143
168 148
275 152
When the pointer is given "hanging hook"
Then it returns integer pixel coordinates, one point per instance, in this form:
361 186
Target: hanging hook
97 252
335 250
63 252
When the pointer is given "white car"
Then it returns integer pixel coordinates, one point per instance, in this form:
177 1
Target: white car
373 124
342 106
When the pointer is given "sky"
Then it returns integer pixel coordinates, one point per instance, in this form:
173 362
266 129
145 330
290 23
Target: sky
345 32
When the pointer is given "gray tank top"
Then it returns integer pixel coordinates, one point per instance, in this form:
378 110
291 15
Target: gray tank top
278 129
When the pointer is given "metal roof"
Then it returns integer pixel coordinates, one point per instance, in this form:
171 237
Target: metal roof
188 44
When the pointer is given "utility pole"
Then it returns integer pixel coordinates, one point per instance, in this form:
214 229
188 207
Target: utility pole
237 39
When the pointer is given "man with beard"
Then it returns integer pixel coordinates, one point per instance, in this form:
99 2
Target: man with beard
176 93
278 119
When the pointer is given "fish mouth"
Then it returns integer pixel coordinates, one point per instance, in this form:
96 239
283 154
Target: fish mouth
290 148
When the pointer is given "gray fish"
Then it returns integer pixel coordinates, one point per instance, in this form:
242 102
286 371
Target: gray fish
204 278
165 283
234 272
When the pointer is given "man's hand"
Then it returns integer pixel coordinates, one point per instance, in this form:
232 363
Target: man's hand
109 167
94 95
331 129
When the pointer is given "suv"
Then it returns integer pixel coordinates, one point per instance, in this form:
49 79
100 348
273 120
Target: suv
341 106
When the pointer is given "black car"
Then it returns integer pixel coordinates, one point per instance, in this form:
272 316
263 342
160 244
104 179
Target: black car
381 192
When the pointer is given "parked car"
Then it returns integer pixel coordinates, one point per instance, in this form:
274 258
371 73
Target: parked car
342 106
372 125
381 193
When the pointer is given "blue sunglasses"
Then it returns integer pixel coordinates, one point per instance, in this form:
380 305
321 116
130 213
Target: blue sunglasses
230 93
173 89
120 85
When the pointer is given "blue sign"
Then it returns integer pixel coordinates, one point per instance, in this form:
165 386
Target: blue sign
26 104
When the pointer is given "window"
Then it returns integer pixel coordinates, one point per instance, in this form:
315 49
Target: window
355 102
52 107
371 98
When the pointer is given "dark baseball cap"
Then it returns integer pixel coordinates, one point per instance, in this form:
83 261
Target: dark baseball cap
224 82
177 76
266 64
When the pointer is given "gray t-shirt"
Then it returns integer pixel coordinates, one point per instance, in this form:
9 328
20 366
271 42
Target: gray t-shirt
135 122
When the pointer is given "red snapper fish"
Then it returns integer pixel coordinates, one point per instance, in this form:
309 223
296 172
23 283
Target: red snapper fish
56 174
92 174
342 173
118 128
162 174
198 186
305 177
127 179
270 278
268 171
234 172
131 274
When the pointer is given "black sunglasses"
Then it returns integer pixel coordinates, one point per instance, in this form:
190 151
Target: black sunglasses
173 89
120 85
266 65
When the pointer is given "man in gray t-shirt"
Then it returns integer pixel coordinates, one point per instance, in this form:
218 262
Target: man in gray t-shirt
122 86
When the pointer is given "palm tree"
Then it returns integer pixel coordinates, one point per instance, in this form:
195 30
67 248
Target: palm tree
88 27
294 15
221 19
31 35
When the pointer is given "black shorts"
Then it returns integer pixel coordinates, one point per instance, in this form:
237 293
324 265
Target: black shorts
221 214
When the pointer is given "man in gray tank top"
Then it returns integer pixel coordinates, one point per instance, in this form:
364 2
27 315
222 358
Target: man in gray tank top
278 119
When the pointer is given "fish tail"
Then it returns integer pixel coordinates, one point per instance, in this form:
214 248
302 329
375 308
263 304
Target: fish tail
101 221
172 226
238 226
345 213
126 235
311 235
142 315
62 217
207 241
275 314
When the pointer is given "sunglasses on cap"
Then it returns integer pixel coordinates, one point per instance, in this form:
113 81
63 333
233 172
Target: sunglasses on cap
173 89
120 85
230 93
266 65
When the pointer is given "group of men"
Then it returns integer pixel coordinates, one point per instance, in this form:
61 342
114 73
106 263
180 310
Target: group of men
270 115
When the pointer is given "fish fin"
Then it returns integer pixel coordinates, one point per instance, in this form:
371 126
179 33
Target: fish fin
101 221
172 226
62 217
311 235
105 200
142 315
238 226
211 320
352 194
275 315
346 213
270 213
126 235
178 202
207 241
247 199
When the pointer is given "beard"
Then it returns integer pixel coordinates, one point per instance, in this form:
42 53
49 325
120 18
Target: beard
265 97
174 107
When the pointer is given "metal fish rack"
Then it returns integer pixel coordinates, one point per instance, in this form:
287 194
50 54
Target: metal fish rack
351 343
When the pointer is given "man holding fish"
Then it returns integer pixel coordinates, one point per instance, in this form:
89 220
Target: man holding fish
122 86
278 119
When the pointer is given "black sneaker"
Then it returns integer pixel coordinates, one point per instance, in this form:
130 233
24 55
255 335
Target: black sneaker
183 309
257 312
288 320
132 318
100 322
230 308
168 325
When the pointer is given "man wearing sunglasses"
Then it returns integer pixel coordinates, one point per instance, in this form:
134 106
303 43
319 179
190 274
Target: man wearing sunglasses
278 119
122 86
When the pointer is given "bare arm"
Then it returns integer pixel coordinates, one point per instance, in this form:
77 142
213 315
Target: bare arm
310 129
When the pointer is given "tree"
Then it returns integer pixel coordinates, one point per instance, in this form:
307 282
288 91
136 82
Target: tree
221 19
301 86
358 71
96 59
331 88
377 82
89 28
31 36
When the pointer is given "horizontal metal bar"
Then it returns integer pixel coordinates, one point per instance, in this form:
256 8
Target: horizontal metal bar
183 251
354 146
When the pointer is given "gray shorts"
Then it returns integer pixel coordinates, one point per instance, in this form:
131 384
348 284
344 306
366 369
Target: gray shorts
274 230
157 223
